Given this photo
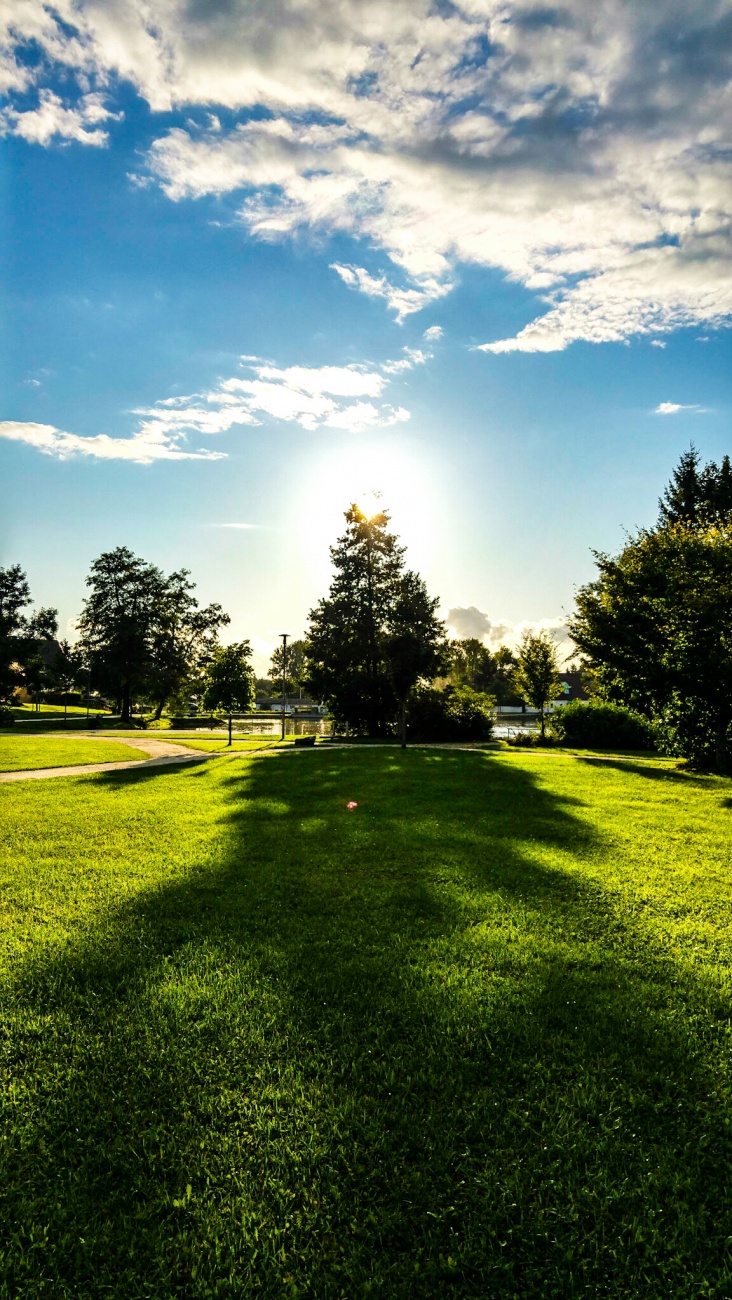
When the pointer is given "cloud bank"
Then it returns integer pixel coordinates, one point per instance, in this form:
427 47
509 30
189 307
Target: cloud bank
583 150
469 621
349 398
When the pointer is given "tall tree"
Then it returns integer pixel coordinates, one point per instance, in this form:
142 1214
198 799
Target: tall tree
185 637
118 623
27 641
654 627
229 680
355 630
537 672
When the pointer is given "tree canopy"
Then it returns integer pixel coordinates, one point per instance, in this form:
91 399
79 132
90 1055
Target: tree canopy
144 633
656 628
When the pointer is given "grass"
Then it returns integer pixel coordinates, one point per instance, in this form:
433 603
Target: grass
18 753
214 746
54 710
471 1038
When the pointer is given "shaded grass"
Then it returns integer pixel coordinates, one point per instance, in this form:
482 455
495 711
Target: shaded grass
470 1039
18 753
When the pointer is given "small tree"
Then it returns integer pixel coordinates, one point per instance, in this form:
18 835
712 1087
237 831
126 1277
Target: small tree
297 652
229 680
537 672
66 669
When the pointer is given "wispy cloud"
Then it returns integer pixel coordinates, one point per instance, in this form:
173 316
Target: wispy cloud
349 398
672 408
399 300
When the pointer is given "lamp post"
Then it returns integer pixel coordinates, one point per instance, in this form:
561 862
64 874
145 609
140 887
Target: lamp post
284 636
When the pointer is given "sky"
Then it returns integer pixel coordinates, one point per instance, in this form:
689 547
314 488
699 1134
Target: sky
266 257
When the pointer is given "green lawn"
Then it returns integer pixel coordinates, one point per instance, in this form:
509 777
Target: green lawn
214 746
55 710
20 752
471 1038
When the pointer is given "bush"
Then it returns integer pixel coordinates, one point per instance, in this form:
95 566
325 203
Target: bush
689 730
7 717
457 713
597 723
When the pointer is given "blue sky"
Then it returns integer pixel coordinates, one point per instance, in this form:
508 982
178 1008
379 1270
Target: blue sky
263 259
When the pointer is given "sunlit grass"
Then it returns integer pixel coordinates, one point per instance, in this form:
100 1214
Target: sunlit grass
470 1038
18 753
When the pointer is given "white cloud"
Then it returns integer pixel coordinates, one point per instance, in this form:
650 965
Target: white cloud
314 397
469 621
401 301
671 408
143 447
656 343
52 120
433 334
581 149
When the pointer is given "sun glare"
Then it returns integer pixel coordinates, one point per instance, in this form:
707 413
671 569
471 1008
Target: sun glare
375 478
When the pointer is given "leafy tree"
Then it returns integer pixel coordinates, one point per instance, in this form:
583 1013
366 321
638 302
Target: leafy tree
119 621
185 637
537 672
503 684
471 664
144 633
297 666
23 638
655 628
229 680
362 654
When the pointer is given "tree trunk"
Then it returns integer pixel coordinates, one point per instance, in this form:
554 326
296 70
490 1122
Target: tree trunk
159 710
126 703
229 728
541 723
403 724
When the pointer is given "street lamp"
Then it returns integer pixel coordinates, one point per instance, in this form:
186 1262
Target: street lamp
284 636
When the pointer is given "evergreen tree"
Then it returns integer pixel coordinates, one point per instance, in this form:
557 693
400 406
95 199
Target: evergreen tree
697 497
376 628
684 496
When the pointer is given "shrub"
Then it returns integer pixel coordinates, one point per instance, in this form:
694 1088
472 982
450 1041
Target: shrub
457 713
7 717
598 723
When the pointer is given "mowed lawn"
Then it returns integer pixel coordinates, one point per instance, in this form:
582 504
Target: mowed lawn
470 1038
20 753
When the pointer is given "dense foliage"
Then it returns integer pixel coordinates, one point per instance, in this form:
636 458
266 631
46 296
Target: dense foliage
472 664
456 713
376 634
656 629
143 632
27 641
696 496
589 723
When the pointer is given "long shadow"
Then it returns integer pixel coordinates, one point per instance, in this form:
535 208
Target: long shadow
650 771
402 1050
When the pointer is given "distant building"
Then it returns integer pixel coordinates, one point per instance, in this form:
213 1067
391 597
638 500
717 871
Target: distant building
572 688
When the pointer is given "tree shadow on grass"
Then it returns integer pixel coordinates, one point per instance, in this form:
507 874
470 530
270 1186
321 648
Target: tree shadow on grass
405 1050
650 771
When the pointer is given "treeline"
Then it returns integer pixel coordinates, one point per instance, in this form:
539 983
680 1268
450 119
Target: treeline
653 630
142 635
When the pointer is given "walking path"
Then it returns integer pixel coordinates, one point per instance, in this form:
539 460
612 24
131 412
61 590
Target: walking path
162 754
